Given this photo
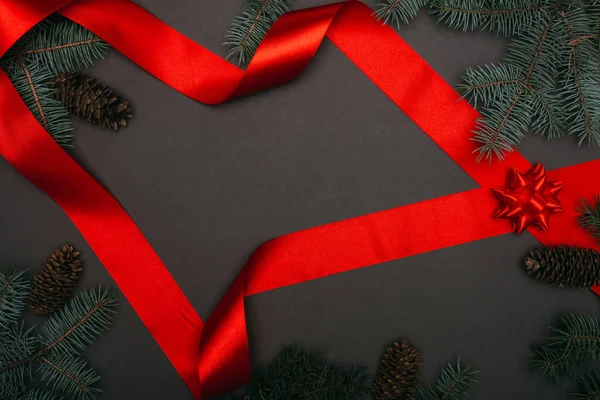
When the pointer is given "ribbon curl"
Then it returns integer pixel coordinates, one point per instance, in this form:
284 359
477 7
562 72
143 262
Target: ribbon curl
213 358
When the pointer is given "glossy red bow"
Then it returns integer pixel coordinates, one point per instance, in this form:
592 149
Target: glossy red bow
213 358
528 200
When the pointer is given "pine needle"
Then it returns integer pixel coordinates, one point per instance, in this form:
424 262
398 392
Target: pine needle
507 17
398 12
80 322
575 342
589 217
62 46
14 287
70 376
297 373
37 394
590 386
18 349
453 383
249 29
33 83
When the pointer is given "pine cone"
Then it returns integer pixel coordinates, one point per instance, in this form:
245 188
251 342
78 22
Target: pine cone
398 373
565 266
87 98
55 281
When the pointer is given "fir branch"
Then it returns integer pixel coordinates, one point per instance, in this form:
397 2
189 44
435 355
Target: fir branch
491 83
37 394
532 59
297 373
580 86
70 376
507 18
14 287
590 385
576 342
589 217
454 382
398 12
33 83
248 29
61 46
17 349
79 323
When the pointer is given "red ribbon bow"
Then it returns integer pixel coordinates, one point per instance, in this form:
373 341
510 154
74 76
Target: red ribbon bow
213 358
528 200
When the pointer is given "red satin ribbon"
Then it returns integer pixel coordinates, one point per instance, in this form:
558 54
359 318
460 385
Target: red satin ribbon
214 358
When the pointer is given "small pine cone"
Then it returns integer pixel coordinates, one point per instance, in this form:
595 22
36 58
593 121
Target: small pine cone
55 281
565 266
87 98
398 373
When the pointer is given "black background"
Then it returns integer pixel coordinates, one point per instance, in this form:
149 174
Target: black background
207 185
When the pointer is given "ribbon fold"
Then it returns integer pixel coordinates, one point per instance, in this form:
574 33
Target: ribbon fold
213 358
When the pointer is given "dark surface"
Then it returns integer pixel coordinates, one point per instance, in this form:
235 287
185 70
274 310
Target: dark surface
207 185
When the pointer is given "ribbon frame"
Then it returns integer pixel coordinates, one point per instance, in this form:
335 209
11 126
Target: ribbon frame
213 357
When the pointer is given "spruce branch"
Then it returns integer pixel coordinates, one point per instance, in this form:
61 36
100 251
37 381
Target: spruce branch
70 376
62 46
248 29
33 83
589 217
79 323
532 59
37 394
453 383
590 387
297 373
580 86
14 286
508 17
17 350
576 341
490 83
398 12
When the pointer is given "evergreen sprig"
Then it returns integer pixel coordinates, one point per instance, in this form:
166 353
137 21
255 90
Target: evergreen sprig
300 373
18 348
548 81
62 46
14 287
398 12
574 343
55 351
590 387
454 382
589 217
54 46
250 27
80 322
34 85
72 374
37 394
507 17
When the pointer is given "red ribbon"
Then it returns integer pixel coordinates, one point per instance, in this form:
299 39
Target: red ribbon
214 358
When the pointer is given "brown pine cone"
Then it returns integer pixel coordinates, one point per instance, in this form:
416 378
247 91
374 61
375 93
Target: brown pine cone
565 266
88 99
55 281
398 373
